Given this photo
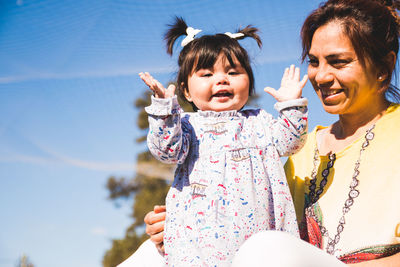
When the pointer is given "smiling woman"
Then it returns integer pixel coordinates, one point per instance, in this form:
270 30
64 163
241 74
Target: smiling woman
343 84
352 47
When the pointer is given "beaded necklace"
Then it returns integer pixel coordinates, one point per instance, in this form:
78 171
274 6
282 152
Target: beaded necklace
353 193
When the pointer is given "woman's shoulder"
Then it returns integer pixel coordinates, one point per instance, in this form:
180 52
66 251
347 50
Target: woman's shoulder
390 120
392 112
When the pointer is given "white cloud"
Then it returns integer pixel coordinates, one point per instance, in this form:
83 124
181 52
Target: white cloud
80 75
144 168
59 159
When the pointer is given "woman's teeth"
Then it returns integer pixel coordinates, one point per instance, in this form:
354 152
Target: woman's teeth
331 92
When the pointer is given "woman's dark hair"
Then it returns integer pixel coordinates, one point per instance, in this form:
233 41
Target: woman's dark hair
202 52
372 27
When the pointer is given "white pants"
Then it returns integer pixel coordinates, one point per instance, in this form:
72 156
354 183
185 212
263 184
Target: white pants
276 248
269 248
145 256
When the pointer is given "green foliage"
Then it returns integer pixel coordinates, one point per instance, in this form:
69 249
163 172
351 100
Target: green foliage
154 194
147 192
148 188
123 248
141 103
24 262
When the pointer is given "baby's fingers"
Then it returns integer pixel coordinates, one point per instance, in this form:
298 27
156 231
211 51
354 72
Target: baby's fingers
270 91
146 78
291 72
296 75
170 91
153 84
285 74
303 81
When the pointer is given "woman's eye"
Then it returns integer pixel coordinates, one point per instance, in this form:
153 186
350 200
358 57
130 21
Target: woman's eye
206 75
233 73
313 62
338 63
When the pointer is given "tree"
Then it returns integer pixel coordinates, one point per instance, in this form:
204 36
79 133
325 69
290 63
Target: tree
148 188
24 262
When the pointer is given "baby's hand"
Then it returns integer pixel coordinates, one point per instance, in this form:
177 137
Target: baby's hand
291 86
158 89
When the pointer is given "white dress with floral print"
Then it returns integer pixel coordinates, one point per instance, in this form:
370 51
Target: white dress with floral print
229 183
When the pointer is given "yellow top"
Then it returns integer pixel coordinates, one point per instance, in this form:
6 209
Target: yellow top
374 218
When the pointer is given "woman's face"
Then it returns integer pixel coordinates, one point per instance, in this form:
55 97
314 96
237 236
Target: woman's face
341 82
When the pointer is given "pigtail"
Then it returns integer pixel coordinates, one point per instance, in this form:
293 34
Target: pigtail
176 30
250 31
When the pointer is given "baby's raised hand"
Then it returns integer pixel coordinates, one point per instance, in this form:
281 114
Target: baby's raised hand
291 86
158 89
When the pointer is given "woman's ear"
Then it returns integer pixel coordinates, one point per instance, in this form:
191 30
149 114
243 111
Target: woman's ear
383 77
186 92
390 60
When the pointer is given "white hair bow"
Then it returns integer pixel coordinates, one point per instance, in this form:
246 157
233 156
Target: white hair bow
234 35
191 33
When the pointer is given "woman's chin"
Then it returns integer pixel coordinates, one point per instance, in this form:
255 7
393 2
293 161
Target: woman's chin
332 109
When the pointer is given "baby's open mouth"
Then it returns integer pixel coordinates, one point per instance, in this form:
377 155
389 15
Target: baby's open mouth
222 94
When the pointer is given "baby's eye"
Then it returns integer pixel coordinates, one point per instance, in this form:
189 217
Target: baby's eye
206 75
233 72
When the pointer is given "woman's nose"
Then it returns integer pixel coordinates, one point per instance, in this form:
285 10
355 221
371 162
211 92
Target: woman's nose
323 75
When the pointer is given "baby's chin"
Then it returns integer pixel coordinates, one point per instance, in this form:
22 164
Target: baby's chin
221 108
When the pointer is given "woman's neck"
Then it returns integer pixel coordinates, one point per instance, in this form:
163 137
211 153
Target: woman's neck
349 127
350 124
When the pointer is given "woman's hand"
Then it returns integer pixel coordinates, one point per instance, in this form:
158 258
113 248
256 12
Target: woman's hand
291 86
158 89
155 221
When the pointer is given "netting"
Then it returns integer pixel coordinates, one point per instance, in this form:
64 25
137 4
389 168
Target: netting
68 80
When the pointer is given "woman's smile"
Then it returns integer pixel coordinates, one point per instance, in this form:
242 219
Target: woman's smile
343 84
332 96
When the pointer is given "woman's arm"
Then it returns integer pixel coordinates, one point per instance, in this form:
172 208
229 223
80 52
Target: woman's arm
391 261
155 221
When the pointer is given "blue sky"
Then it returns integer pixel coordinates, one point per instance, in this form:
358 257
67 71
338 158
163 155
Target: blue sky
68 78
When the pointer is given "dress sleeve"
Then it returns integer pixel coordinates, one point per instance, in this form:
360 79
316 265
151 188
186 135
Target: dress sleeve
290 128
168 138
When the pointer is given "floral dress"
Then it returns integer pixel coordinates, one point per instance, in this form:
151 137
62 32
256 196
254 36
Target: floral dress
229 182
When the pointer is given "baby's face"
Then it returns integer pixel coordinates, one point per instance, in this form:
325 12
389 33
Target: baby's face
219 89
